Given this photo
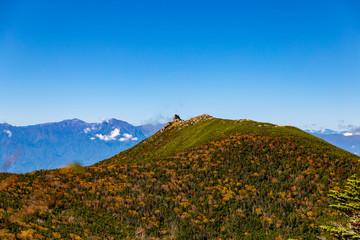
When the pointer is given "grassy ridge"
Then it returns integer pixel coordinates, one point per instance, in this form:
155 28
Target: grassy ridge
185 135
203 178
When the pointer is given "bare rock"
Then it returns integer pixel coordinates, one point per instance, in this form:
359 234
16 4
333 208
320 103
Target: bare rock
200 118
177 118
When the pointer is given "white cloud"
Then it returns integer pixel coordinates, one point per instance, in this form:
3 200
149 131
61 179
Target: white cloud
348 134
115 133
9 133
95 127
102 120
112 136
127 137
101 137
353 146
92 138
87 130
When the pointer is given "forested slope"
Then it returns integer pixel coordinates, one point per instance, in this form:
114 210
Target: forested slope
204 178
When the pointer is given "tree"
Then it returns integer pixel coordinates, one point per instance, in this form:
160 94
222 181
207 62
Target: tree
347 202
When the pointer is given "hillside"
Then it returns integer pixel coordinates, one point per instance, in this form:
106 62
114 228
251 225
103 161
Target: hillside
204 178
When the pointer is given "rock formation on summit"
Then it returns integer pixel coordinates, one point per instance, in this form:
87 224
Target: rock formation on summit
177 118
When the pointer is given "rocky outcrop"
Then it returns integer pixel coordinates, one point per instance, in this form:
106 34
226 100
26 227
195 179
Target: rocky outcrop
165 127
175 119
200 118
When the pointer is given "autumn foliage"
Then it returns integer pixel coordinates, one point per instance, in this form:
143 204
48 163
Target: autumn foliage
210 179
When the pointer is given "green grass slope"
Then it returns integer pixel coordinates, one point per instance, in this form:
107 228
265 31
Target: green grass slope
198 130
204 178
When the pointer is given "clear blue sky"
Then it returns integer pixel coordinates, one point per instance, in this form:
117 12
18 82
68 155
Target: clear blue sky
285 62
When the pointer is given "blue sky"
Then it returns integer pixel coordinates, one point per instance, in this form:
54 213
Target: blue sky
285 62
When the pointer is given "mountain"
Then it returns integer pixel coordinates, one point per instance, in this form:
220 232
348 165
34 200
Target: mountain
348 140
53 145
324 131
204 178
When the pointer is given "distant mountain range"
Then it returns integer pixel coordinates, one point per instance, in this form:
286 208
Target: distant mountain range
203 178
348 140
53 145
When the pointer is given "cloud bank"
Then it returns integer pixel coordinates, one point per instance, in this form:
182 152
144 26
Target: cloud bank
112 136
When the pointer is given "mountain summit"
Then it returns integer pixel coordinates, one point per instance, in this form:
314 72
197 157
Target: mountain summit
177 118
203 178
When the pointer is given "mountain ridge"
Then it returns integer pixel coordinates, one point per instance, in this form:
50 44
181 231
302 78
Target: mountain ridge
197 179
217 124
52 145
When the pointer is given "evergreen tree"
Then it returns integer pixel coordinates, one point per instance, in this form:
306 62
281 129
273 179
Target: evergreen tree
347 202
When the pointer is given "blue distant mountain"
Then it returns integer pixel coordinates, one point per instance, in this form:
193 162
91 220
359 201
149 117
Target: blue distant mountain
53 145
348 140
324 131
